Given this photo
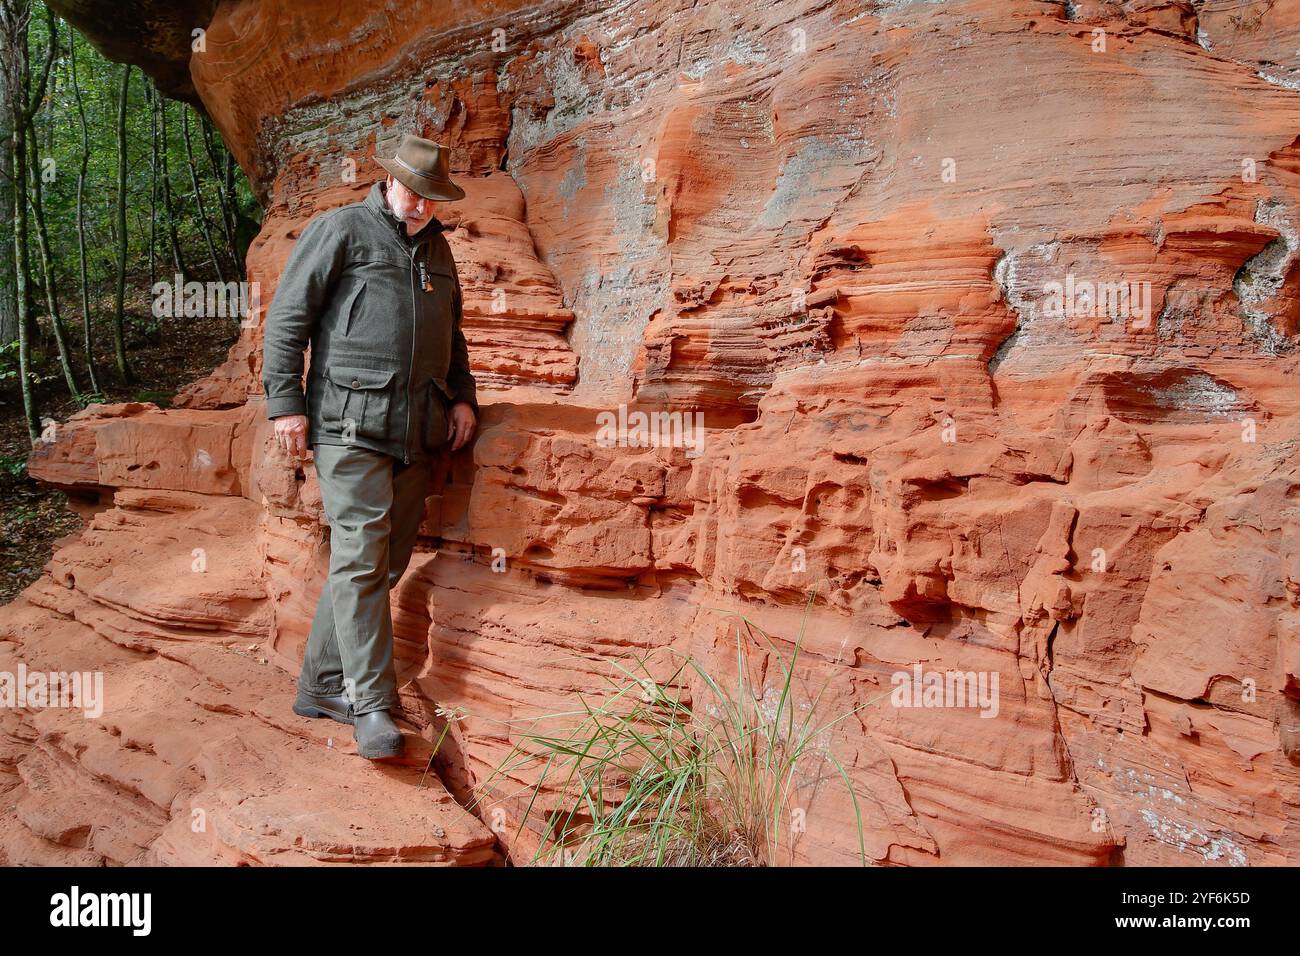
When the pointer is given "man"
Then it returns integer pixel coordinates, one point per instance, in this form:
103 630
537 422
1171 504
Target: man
372 287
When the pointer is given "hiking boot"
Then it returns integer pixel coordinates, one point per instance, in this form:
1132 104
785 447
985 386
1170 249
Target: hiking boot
336 707
377 736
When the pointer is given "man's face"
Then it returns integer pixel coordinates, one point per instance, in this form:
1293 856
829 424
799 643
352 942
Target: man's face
414 210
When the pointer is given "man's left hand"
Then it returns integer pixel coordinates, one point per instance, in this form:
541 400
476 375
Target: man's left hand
460 428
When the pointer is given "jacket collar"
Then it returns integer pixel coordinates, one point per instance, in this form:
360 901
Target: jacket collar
378 205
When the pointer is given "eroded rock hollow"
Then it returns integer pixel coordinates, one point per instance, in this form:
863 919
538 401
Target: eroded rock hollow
853 236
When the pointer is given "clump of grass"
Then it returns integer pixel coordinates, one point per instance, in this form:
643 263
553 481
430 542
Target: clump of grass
649 777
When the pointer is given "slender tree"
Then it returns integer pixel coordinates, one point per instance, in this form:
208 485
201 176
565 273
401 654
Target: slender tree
168 208
15 21
237 218
49 279
198 194
152 97
212 146
36 175
87 339
119 312
8 305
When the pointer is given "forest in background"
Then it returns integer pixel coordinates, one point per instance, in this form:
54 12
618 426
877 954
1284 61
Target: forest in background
107 187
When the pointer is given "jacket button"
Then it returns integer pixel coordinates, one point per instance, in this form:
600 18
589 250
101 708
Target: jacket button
355 383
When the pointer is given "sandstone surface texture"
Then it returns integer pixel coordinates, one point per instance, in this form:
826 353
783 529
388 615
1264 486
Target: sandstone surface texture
836 230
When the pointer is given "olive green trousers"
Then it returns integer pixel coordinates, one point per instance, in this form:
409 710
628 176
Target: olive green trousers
374 504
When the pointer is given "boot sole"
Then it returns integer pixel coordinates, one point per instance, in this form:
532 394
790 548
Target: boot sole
311 710
380 753
381 749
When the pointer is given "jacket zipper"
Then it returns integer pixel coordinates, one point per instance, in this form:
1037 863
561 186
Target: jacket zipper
410 373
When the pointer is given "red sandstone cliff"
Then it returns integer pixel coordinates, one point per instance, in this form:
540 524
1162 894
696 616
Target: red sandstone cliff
829 227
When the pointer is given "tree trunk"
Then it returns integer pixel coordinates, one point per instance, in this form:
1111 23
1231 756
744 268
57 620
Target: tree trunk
87 336
177 259
153 184
198 194
233 192
119 313
47 272
15 19
8 305
212 146
50 279
18 154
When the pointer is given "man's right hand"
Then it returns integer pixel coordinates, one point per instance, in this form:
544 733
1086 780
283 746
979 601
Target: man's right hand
291 435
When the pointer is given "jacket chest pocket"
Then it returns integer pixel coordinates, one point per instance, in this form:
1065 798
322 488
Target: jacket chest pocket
437 311
438 284
352 306
357 401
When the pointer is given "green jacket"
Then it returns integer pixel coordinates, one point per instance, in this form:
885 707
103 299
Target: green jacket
382 314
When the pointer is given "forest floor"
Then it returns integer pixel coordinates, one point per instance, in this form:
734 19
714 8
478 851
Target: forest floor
165 355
